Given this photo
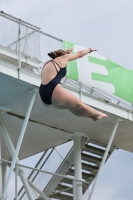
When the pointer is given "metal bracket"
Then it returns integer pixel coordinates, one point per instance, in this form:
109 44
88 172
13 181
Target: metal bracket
72 136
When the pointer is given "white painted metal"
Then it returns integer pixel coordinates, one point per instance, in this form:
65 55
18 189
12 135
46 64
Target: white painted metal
77 167
42 120
35 80
0 170
12 18
80 91
25 43
39 191
4 174
12 152
63 168
19 143
11 53
33 175
104 158
60 154
55 174
64 159
19 49
74 192
22 38
16 182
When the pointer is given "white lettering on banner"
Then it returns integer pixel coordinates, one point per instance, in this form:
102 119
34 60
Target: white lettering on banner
85 69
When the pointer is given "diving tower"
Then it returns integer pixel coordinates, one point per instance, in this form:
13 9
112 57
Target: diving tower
28 127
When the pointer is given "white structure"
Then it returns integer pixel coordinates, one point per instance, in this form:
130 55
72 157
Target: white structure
49 127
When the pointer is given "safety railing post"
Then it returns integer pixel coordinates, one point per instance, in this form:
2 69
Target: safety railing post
19 49
80 90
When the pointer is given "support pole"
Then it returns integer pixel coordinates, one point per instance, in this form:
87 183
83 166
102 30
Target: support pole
18 144
0 170
19 49
4 174
77 167
16 182
74 192
104 157
12 152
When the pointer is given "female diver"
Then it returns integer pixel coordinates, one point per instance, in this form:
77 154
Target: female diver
53 94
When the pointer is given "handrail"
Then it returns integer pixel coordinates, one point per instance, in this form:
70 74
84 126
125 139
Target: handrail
51 173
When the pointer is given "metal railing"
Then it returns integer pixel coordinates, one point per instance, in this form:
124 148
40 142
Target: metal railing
37 191
24 45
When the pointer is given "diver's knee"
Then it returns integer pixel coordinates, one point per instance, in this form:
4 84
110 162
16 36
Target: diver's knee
79 106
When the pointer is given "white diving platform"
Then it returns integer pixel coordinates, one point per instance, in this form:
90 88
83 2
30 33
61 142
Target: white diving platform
48 127
28 127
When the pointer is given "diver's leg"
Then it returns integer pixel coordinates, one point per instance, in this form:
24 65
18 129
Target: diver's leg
65 98
73 111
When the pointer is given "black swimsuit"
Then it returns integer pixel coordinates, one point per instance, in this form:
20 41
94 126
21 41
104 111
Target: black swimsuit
47 90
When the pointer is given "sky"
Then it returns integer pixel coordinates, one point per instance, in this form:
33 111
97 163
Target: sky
104 25
101 24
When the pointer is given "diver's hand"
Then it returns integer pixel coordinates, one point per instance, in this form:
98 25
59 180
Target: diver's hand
91 50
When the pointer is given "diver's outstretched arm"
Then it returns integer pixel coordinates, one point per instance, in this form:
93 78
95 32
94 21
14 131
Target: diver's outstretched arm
77 55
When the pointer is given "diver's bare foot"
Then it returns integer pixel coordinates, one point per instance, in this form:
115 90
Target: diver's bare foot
100 115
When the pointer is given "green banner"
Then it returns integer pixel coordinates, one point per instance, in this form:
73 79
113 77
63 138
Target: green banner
101 73
72 68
